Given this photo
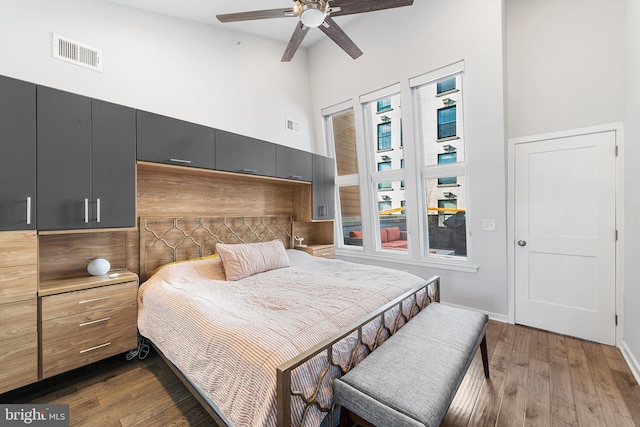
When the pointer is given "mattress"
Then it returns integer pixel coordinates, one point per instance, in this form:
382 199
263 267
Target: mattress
229 337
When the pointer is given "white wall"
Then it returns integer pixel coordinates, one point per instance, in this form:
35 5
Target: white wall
169 66
401 43
631 339
565 64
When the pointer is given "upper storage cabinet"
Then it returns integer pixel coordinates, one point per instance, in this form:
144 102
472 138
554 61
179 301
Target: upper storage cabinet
237 153
17 154
293 164
86 162
323 188
166 140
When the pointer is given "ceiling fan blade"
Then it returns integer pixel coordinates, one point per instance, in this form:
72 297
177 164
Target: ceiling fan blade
335 33
349 7
256 14
294 43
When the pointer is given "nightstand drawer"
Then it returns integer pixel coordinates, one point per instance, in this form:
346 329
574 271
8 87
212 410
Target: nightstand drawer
324 251
97 323
18 324
83 349
66 304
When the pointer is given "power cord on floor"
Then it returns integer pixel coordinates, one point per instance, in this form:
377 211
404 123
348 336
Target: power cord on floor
142 351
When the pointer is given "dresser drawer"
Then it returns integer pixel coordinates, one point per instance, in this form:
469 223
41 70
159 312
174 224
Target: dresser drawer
18 283
98 323
82 349
66 304
18 324
19 364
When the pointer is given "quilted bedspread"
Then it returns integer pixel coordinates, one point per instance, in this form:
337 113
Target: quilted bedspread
228 337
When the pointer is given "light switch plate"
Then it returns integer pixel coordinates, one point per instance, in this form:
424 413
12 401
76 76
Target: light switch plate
489 224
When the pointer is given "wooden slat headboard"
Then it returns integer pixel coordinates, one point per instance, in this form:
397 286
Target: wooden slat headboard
167 239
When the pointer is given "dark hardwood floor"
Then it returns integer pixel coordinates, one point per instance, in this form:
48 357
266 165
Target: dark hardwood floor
537 379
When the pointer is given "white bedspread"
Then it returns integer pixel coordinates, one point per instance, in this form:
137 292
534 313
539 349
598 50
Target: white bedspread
229 337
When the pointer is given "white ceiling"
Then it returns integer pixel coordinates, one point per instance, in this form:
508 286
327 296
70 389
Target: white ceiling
205 11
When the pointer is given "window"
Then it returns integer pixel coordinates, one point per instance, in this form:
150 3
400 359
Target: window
384 166
350 215
446 85
384 104
447 122
384 136
443 170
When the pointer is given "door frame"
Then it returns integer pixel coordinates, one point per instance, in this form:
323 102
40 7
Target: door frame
617 128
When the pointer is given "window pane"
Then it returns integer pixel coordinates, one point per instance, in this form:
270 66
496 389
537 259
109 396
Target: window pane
446 122
351 216
446 217
344 138
446 85
440 118
385 133
392 224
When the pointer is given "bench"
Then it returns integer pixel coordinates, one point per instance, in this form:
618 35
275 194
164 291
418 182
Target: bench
411 379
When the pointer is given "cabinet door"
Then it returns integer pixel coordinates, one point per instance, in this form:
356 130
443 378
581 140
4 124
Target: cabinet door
293 164
237 153
64 160
166 140
113 144
17 154
323 187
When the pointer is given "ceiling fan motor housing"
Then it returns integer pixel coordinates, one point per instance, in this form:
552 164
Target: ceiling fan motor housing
312 12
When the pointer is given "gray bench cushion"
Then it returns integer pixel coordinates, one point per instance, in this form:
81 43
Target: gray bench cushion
411 379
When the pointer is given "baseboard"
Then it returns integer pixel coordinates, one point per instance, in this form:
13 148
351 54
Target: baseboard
493 316
634 366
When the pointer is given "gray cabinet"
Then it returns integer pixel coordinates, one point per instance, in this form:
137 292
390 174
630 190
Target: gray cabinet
162 139
293 164
17 154
86 162
237 153
323 188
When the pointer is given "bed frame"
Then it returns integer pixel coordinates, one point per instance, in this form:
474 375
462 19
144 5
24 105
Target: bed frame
171 239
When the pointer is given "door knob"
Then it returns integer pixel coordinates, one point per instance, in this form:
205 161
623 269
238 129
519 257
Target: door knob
522 243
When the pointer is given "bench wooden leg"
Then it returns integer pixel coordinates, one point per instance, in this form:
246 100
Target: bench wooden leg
485 356
349 419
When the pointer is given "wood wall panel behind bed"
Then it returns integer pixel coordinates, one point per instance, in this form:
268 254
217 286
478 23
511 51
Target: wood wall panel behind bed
174 191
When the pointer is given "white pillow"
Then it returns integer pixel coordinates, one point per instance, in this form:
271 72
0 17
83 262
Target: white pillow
246 259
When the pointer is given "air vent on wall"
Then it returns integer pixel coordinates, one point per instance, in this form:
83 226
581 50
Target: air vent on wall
293 126
77 53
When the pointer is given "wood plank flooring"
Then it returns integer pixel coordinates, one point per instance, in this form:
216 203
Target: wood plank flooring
537 379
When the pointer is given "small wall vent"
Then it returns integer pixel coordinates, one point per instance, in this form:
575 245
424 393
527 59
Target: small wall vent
293 126
77 53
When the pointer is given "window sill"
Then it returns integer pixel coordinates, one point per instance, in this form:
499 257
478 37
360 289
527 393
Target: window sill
449 138
447 92
442 262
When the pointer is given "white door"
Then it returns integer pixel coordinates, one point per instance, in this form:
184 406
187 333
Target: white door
565 235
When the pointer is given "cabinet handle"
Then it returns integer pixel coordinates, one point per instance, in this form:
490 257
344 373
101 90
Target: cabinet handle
295 177
188 162
95 348
29 210
94 321
98 210
248 170
94 300
86 211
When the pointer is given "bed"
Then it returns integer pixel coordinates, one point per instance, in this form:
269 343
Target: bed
264 349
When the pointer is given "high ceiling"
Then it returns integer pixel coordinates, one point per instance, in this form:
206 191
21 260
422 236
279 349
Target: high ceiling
205 11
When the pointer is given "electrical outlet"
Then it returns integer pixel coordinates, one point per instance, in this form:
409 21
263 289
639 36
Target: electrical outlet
489 224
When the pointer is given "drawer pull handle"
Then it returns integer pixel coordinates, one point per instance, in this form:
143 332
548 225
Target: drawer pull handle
94 300
94 321
326 254
95 348
249 171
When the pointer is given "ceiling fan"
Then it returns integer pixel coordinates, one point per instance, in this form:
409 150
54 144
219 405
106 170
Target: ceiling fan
317 13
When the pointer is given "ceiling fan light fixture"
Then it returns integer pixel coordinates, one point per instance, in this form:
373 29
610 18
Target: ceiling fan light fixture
312 13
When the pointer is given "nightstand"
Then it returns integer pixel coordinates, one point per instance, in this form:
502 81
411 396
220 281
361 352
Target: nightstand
324 251
86 319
